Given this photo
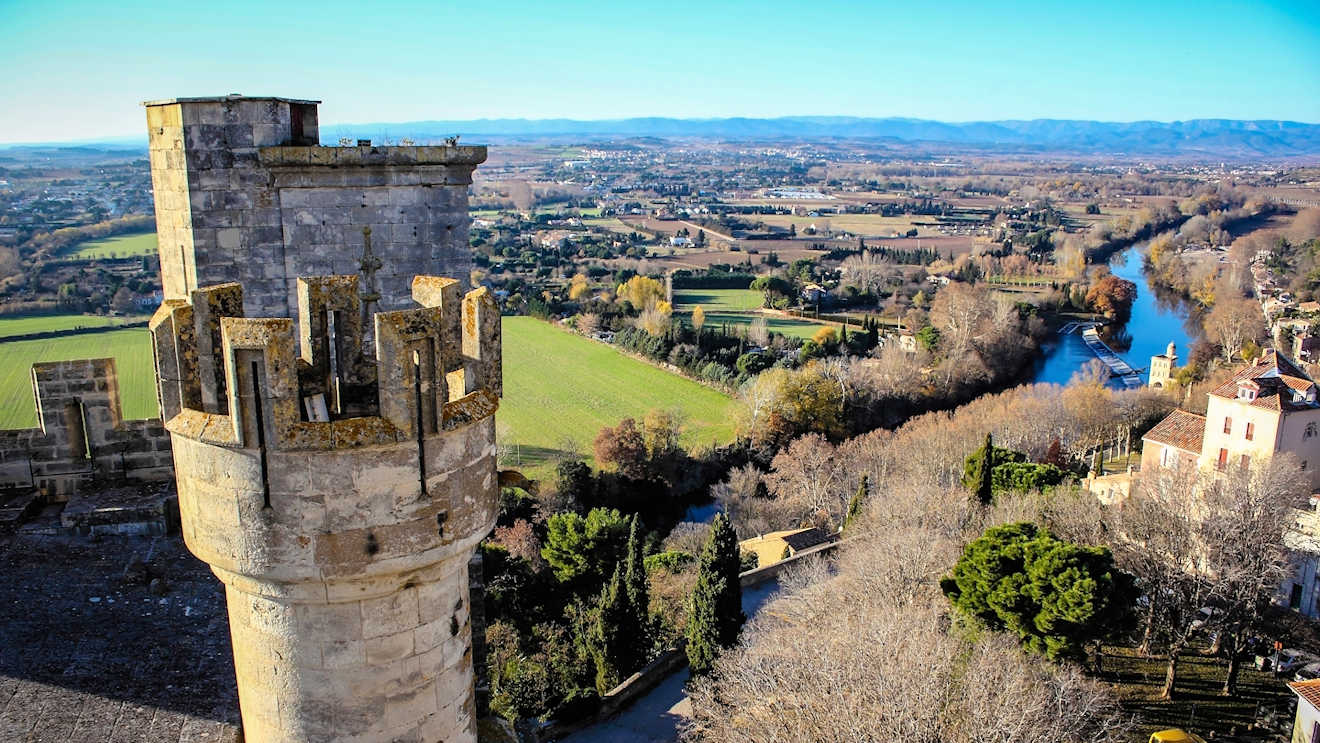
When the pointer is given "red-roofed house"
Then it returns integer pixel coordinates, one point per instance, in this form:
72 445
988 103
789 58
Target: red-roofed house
1269 406
1306 726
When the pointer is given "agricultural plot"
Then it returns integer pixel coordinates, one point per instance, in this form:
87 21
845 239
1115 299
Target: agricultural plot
866 225
561 388
119 246
11 326
130 348
738 307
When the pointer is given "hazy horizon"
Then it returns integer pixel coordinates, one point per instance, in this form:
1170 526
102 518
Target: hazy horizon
79 70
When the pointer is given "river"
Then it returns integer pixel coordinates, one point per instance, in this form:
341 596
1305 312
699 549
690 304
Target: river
1158 317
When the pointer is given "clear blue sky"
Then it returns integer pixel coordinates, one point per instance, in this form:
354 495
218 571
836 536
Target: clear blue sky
78 69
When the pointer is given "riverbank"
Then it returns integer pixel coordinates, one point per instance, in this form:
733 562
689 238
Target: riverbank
1158 318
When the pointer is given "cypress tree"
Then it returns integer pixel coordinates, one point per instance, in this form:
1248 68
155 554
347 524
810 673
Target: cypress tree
715 614
638 636
985 491
855 505
606 640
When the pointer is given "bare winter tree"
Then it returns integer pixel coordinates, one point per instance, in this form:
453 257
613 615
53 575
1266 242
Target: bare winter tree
1249 511
758 332
960 312
805 476
1232 323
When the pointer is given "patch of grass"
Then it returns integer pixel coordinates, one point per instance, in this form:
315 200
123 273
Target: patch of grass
1198 705
119 246
44 323
613 224
130 348
738 307
562 387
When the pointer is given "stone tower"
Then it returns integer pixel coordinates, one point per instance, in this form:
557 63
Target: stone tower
338 493
1164 366
244 193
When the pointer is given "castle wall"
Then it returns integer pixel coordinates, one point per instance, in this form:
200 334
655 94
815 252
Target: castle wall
244 194
81 434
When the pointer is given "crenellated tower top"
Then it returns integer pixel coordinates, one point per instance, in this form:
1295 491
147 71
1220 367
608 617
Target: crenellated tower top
436 367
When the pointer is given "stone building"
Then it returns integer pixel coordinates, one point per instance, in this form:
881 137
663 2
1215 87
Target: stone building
340 524
81 433
1163 367
245 193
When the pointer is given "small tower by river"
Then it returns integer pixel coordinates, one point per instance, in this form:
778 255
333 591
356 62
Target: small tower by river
1164 366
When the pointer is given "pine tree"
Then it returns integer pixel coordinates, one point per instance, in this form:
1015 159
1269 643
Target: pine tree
638 627
715 614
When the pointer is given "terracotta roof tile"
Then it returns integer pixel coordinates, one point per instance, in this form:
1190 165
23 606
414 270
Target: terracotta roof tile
1181 430
1276 376
1308 690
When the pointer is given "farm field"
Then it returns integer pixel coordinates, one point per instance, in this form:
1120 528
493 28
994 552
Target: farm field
866 225
131 349
787 250
613 224
119 246
44 323
737 307
561 387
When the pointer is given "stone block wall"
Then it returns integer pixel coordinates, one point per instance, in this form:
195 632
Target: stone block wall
343 543
82 434
243 193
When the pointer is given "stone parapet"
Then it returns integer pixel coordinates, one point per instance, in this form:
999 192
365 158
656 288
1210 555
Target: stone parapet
81 434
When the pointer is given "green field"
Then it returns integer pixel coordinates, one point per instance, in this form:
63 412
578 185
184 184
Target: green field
119 246
737 307
42 323
131 349
560 387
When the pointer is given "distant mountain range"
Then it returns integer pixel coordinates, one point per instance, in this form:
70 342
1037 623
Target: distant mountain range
1197 137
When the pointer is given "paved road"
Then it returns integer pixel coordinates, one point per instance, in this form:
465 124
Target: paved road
655 717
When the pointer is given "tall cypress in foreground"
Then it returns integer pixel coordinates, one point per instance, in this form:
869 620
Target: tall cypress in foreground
715 614
637 637
855 505
607 633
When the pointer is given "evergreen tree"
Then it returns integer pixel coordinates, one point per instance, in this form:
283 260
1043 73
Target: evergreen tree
1060 598
639 601
985 483
715 614
607 633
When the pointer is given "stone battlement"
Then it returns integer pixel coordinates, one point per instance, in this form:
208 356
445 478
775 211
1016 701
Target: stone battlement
435 368
81 433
